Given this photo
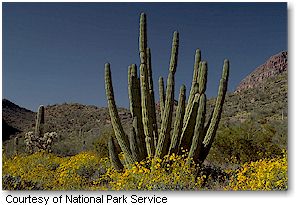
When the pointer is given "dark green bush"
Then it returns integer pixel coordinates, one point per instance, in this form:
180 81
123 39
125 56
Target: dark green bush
248 141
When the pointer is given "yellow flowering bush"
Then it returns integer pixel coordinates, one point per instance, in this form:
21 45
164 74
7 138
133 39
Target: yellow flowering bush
87 171
75 172
50 172
38 168
264 174
170 173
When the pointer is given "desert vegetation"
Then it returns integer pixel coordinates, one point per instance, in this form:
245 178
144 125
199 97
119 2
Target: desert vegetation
198 144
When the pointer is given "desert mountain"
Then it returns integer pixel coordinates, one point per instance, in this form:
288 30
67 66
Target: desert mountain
274 66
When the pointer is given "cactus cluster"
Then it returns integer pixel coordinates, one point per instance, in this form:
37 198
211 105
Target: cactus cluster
191 131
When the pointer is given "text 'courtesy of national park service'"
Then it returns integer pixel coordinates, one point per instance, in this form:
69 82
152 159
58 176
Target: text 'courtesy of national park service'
79 199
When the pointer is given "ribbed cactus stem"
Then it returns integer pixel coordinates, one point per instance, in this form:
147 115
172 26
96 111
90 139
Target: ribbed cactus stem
135 109
196 144
164 136
152 96
144 82
121 137
130 90
133 144
174 53
194 86
189 125
214 123
113 155
161 95
39 126
145 105
178 124
202 77
142 38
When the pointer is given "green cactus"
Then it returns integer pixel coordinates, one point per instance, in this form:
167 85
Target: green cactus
162 96
189 130
135 109
121 137
39 124
113 155
164 137
133 143
179 116
216 115
194 86
145 89
152 110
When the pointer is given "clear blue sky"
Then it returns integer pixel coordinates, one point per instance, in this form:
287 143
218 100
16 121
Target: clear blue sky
55 52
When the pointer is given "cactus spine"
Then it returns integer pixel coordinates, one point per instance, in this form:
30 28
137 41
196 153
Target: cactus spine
189 131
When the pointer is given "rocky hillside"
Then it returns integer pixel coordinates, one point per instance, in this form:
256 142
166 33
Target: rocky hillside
76 124
74 118
261 95
15 119
274 66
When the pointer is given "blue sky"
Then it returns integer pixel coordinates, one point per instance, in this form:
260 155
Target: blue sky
55 52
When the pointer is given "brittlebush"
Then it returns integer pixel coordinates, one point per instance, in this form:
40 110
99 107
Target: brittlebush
51 172
170 173
87 171
264 174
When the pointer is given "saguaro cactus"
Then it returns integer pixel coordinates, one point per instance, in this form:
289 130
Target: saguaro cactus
190 130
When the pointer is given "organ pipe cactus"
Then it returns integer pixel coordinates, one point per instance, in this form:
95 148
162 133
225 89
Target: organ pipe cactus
113 155
190 130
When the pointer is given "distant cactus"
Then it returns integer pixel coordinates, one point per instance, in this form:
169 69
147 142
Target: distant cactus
16 145
38 140
190 132
39 125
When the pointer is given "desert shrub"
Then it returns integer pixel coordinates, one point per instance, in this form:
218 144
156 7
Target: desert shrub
36 143
77 172
101 143
247 141
264 174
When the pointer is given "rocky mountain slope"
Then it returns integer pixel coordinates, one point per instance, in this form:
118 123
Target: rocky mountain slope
15 119
263 94
274 66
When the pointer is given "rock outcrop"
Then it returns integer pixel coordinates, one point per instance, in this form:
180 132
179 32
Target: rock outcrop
275 65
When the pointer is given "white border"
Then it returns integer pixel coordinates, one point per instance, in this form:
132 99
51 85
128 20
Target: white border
212 197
